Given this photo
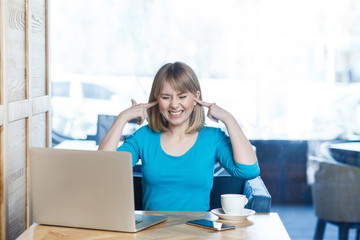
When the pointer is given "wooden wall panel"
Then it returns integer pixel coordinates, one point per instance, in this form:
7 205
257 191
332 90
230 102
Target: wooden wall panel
38 124
37 47
2 159
2 185
18 110
1 115
14 29
24 106
40 104
16 177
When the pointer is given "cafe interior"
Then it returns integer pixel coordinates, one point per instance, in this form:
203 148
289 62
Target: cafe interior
288 71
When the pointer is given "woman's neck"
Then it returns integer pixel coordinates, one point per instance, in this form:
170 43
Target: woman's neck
176 142
178 131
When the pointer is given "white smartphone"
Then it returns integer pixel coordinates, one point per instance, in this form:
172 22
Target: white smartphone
208 224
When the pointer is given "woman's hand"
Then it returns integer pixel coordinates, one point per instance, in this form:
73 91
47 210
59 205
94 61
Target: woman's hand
138 111
215 113
242 150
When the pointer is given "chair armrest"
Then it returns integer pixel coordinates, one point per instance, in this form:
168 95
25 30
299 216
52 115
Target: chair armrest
257 194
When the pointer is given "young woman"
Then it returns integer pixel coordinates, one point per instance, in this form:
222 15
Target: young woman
177 151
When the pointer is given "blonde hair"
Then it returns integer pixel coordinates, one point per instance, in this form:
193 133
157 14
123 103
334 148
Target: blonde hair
183 79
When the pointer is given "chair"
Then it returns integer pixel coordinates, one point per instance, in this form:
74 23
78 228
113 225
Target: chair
255 190
336 195
103 125
106 121
57 138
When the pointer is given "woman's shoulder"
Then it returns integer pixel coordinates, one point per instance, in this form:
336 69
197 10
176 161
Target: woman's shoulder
206 130
213 132
145 131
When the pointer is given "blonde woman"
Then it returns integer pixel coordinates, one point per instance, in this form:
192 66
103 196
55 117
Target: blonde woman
178 152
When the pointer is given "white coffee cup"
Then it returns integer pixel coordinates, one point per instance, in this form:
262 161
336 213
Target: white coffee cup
233 204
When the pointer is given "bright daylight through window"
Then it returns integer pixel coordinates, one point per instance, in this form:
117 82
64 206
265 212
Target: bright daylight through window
284 69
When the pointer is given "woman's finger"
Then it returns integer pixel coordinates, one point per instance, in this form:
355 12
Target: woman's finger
150 105
143 114
133 102
143 105
202 103
210 116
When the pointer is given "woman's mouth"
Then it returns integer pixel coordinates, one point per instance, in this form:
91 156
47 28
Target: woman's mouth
175 114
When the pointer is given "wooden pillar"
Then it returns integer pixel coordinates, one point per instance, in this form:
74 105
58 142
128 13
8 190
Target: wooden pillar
24 106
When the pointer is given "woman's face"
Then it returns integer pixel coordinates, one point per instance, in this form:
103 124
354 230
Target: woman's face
176 106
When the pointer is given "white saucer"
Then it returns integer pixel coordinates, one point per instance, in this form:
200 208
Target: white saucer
238 217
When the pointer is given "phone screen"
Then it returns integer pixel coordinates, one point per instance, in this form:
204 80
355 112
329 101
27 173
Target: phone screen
205 223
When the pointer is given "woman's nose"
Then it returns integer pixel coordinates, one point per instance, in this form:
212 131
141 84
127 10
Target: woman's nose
174 103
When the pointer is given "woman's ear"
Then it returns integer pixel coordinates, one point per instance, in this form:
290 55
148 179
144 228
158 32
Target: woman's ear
197 95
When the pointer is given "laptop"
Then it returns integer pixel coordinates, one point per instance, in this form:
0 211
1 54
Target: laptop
85 189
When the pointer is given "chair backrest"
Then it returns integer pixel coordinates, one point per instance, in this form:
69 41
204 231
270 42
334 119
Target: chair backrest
224 185
103 125
106 121
335 190
138 191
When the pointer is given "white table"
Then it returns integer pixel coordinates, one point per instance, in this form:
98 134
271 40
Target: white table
259 226
350 146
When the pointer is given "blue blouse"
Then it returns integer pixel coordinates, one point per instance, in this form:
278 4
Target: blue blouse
182 183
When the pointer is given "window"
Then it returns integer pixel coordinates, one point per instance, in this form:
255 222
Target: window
61 89
95 92
284 69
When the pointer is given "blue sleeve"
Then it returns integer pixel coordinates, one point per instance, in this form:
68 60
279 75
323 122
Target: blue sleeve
224 155
132 145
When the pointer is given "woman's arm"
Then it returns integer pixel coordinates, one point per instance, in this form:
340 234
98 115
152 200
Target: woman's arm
242 150
136 111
